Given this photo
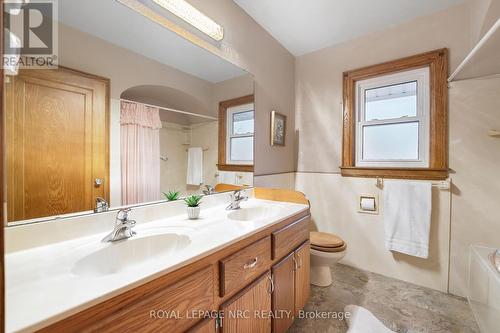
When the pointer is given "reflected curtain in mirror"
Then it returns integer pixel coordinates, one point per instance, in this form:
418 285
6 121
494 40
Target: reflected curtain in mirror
140 153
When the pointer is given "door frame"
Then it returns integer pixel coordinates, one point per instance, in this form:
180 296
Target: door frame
2 183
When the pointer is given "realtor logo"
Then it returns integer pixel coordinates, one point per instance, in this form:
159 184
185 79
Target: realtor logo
30 31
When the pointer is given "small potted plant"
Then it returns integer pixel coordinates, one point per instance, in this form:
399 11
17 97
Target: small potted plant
171 195
193 206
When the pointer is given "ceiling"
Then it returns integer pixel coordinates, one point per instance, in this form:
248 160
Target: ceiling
303 26
119 25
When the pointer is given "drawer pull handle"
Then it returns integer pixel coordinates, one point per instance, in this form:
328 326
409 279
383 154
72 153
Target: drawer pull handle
251 264
271 279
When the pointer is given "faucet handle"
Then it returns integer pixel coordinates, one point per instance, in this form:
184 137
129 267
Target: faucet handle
101 205
122 214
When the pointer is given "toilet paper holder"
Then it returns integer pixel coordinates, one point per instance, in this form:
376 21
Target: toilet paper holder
368 204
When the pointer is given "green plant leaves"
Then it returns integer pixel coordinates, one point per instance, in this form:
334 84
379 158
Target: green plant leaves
172 195
193 200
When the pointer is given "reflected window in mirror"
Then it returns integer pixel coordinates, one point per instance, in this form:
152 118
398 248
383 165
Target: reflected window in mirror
236 134
240 131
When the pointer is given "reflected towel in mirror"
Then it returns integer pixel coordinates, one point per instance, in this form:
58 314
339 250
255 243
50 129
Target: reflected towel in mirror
195 166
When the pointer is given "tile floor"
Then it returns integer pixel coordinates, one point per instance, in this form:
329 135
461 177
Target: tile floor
401 306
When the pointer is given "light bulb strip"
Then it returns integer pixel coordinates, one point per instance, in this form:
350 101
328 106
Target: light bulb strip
193 16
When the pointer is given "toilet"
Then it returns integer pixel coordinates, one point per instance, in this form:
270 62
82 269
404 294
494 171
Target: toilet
326 250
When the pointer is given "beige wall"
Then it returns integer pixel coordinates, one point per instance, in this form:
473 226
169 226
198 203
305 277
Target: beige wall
124 68
475 160
334 208
334 198
281 180
248 45
173 171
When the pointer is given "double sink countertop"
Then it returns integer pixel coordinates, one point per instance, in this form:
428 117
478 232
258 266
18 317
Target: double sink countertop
48 283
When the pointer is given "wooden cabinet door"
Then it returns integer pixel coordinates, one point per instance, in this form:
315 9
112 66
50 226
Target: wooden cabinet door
167 309
204 326
283 295
56 124
249 311
302 284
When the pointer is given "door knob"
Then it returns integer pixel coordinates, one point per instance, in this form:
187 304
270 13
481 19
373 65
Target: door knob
98 182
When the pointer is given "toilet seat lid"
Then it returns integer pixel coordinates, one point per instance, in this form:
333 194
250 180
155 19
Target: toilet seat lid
329 249
325 240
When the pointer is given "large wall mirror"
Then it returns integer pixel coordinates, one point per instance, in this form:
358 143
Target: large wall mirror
132 112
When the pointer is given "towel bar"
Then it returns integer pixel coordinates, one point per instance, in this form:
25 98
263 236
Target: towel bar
442 185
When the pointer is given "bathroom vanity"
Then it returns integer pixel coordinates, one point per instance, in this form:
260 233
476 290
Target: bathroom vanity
243 270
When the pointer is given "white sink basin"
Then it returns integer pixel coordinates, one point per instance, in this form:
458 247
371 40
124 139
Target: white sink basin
120 256
254 213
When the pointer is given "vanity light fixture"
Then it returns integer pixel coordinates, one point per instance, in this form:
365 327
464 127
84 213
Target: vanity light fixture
193 16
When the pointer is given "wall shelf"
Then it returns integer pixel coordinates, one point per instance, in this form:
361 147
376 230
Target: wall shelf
483 59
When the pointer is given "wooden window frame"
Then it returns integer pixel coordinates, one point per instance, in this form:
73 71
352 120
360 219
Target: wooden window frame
437 61
223 106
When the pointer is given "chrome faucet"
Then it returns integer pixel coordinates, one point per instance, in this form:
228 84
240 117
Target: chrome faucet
123 227
236 198
209 190
101 205
495 259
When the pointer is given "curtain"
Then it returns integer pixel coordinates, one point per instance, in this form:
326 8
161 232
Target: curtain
140 153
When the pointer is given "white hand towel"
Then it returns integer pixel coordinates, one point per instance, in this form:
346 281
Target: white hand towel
407 217
195 166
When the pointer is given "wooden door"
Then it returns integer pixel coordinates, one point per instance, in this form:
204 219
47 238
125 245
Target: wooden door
246 312
302 281
205 326
57 142
283 300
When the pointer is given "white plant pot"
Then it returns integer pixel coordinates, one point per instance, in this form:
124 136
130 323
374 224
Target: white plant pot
193 212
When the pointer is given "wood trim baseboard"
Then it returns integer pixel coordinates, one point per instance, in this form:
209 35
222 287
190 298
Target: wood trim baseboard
2 183
235 167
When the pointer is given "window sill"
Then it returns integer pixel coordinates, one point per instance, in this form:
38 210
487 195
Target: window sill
235 167
397 173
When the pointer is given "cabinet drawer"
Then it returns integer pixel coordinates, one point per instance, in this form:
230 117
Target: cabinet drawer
166 310
240 268
287 239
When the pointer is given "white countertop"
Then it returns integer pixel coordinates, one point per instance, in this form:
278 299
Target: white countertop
42 287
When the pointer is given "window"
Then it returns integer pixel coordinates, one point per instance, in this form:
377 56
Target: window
240 127
236 134
395 119
392 120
